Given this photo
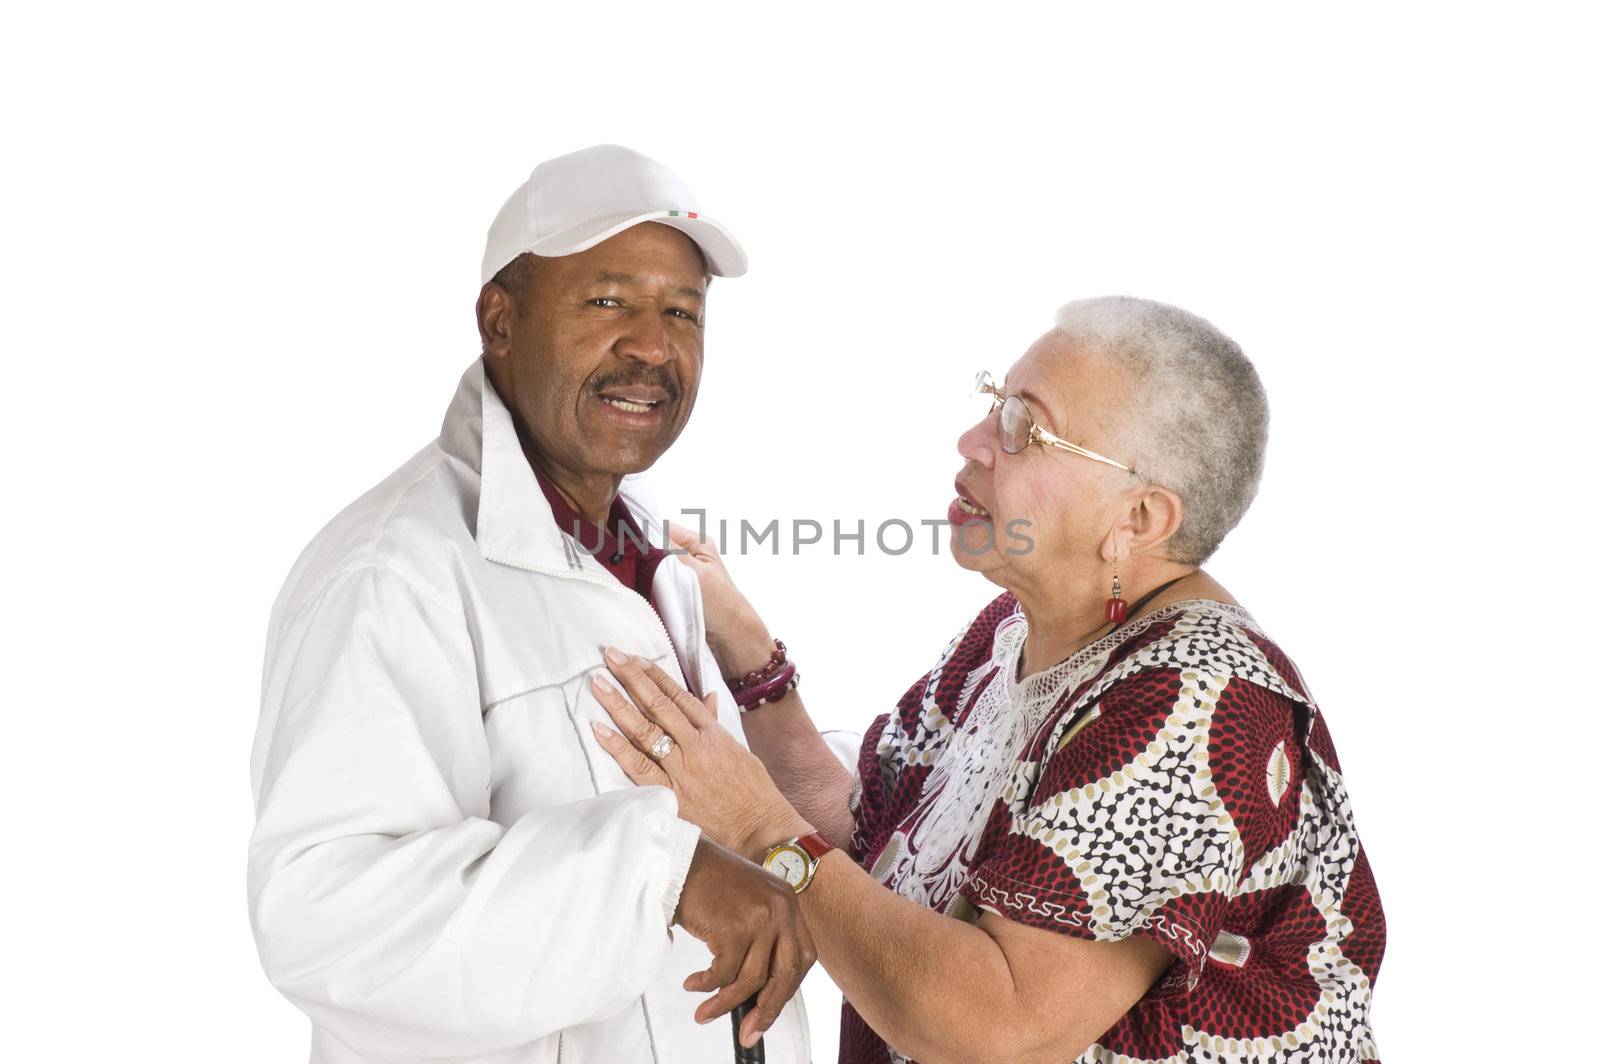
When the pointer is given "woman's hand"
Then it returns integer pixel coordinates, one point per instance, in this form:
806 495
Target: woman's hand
721 786
734 631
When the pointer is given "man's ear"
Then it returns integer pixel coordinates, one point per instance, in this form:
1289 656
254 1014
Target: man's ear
495 312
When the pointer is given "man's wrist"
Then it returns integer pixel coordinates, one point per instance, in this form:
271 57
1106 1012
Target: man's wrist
682 851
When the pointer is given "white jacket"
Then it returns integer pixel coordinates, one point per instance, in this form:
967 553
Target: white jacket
445 865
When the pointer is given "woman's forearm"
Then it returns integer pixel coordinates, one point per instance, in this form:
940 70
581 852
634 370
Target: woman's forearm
901 965
786 740
803 766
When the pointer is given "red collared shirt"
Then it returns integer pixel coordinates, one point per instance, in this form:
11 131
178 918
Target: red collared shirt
620 546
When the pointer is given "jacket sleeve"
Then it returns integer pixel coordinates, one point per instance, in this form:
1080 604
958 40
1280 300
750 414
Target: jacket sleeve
385 902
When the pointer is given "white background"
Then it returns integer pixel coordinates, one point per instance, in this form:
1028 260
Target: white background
240 257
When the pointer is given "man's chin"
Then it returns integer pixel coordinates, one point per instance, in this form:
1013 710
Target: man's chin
626 452
631 457
624 465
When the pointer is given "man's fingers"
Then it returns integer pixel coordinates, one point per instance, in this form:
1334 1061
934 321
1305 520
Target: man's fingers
791 959
752 975
722 971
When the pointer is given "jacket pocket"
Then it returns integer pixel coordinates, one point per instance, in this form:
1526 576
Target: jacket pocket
538 758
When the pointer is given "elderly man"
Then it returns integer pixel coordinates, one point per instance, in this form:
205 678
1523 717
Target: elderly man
446 866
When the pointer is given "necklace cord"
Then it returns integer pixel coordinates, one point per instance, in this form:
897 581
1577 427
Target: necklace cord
1132 611
1144 601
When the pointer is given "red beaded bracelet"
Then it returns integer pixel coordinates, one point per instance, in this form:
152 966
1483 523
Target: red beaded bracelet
755 677
770 690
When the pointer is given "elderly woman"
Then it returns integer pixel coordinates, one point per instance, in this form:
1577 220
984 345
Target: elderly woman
1093 830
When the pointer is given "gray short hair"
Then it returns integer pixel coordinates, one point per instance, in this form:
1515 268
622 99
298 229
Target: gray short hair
1197 414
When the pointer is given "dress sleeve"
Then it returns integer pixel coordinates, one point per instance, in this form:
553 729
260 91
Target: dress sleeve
878 769
901 747
1145 806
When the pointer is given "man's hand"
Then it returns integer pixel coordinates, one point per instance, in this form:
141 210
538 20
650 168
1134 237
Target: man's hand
750 920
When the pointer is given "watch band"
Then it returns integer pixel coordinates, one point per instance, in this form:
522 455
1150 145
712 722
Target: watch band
814 845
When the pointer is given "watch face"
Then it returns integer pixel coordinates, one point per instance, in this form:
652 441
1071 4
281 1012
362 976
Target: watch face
789 864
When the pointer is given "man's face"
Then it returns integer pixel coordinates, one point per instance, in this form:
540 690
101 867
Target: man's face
599 352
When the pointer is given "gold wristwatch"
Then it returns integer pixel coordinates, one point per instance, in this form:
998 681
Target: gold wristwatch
795 861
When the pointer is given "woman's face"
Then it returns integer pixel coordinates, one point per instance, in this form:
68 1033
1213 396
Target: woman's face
1044 506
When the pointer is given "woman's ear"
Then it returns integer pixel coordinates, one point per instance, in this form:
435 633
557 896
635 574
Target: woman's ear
1157 518
1151 517
1117 544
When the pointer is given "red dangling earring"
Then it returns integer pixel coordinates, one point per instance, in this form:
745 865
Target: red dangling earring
1116 609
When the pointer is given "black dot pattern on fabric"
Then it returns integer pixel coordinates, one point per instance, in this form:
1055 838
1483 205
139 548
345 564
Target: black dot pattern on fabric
1100 750
1185 789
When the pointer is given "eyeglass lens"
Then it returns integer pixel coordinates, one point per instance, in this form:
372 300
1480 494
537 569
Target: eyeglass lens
1016 422
1016 425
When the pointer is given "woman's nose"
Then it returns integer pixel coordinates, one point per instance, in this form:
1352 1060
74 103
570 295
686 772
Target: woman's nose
978 444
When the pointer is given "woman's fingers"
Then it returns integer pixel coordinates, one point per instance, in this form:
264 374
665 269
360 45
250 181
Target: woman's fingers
654 692
642 732
636 764
694 711
683 537
707 711
701 548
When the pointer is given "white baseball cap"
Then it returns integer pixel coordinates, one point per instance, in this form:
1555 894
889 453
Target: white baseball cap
573 202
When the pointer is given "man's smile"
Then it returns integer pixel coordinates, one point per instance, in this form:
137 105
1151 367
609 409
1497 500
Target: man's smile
634 407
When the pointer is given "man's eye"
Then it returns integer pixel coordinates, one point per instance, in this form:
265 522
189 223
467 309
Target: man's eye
606 301
680 312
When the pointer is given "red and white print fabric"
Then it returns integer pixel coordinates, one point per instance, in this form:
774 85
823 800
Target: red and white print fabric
1174 780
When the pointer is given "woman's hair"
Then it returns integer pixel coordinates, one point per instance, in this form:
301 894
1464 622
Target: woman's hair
1196 414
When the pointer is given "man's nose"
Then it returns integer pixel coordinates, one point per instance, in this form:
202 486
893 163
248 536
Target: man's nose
645 339
979 443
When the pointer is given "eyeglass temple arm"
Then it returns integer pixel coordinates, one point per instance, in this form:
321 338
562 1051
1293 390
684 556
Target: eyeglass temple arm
1056 441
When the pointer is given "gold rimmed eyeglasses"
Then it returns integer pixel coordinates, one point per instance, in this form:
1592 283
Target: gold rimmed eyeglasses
1018 429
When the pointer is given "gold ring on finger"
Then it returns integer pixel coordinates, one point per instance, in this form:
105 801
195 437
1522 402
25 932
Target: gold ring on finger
661 747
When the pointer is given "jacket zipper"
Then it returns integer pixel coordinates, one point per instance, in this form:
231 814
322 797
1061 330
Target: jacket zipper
697 681
640 603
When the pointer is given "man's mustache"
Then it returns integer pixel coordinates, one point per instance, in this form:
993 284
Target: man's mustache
657 376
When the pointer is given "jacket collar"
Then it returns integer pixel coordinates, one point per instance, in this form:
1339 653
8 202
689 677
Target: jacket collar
514 523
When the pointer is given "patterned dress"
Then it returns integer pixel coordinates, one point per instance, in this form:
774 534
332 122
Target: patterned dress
1174 780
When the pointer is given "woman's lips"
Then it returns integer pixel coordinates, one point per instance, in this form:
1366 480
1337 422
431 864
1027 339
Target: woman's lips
963 509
